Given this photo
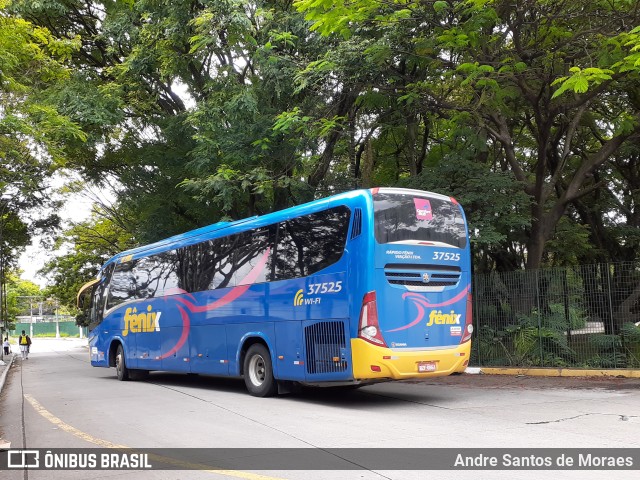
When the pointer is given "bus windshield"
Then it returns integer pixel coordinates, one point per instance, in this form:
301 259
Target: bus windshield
413 218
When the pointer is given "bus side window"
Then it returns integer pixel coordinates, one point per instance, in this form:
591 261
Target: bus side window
156 275
251 248
96 312
311 243
97 306
122 285
168 281
205 266
222 262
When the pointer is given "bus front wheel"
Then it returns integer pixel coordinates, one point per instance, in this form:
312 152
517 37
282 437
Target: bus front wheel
121 368
258 372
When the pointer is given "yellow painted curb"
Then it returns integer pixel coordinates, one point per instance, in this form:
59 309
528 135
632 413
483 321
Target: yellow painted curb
562 372
123 448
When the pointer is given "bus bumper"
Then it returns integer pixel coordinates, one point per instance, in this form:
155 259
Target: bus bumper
371 362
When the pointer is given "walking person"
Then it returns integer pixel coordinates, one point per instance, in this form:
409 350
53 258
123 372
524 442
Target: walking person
25 342
6 346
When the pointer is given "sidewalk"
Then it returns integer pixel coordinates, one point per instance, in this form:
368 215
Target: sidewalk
5 364
40 344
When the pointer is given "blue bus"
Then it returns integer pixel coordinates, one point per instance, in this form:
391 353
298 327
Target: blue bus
361 287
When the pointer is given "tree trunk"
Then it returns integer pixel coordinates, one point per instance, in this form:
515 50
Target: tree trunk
367 166
321 168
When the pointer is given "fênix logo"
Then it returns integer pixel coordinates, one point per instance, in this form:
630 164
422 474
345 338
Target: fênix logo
439 318
299 298
142 322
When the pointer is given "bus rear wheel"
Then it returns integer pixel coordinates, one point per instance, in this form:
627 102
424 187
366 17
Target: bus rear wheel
121 368
258 372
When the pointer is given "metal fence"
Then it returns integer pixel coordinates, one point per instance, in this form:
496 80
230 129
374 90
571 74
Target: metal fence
49 329
586 317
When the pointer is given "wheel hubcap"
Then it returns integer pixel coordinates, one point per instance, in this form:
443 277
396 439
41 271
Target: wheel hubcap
257 370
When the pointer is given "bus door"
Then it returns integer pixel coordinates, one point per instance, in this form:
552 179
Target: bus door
208 338
90 301
175 328
143 321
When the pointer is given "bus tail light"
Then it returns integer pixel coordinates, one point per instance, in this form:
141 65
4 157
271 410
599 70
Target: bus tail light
369 327
468 324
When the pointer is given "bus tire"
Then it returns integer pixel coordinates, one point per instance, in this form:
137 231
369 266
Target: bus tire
258 372
121 365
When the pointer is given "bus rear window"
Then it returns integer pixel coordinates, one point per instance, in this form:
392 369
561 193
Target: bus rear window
401 218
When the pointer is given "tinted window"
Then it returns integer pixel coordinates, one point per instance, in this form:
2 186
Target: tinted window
222 263
252 260
96 308
122 286
408 217
156 275
196 265
95 313
308 244
305 246
226 262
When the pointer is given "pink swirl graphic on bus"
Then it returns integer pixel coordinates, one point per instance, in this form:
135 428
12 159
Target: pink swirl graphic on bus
186 327
232 295
421 303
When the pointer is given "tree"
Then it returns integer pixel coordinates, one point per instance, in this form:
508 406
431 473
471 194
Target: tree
551 84
32 132
88 244
16 288
201 110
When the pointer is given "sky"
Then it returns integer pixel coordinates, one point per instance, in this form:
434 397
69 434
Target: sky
76 208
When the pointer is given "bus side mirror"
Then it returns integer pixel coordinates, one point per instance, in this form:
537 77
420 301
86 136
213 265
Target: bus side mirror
83 300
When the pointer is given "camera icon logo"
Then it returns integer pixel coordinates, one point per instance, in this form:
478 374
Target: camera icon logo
23 459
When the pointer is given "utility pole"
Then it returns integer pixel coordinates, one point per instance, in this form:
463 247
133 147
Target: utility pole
57 321
4 331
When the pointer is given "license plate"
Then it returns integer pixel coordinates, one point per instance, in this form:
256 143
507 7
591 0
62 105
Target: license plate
427 367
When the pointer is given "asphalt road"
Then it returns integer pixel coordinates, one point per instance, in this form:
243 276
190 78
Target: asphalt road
55 399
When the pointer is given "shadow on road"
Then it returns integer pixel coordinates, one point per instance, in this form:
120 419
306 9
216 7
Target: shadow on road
371 397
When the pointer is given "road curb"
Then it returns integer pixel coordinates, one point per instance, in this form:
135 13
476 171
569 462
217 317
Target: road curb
5 372
562 372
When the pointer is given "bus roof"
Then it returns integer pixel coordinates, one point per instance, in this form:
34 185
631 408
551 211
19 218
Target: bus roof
221 229
224 228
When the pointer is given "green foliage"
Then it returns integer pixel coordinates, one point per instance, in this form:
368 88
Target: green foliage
229 186
33 130
529 341
16 288
88 244
195 111
580 80
33 64
629 43
630 339
338 17
571 233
